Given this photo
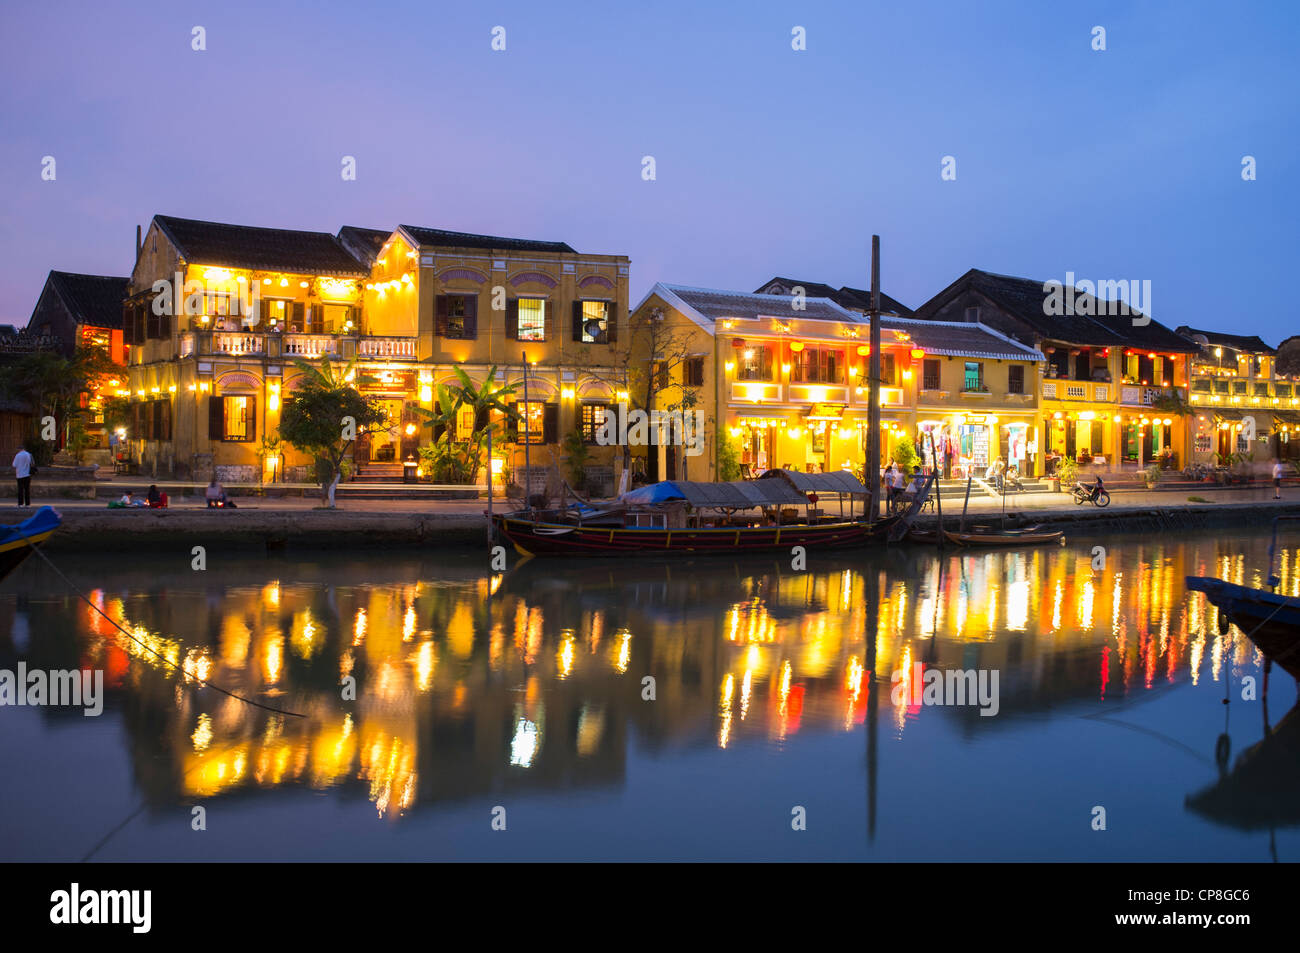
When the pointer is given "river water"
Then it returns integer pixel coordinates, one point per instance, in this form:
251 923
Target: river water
649 710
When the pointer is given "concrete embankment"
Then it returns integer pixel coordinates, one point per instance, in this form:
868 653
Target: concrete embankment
105 530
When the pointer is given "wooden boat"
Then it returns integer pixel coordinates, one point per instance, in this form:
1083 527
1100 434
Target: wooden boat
1272 621
988 536
533 538
16 542
1269 619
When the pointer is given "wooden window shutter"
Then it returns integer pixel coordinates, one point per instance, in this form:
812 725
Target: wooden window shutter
216 418
298 310
551 423
548 319
440 305
577 321
611 322
165 326
766 370
128 325
471 317
252 418
151 328
512 319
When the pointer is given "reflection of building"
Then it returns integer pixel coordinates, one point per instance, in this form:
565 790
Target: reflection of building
785 380
1111 388
1234 377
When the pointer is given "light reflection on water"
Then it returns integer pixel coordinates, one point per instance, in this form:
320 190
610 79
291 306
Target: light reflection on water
423 683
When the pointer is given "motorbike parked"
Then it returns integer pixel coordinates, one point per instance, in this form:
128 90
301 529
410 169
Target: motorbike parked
1090 493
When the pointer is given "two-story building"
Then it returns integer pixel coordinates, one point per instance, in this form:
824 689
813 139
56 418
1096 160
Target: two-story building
408 306
1114 388
1235 377
784 379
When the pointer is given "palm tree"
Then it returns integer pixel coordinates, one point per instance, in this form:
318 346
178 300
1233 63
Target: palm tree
483 399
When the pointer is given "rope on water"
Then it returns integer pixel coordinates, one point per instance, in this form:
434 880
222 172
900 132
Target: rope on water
202 681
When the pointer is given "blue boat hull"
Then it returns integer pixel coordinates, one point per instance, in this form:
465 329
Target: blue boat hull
1272 621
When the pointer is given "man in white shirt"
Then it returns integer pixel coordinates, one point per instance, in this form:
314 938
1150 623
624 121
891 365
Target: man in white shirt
23 471
1278 471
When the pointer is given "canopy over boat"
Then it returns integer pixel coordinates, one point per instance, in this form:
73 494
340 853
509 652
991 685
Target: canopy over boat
736 495
838 481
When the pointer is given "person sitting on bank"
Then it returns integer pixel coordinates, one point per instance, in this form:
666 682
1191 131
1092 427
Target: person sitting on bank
153 497
216 495
129 500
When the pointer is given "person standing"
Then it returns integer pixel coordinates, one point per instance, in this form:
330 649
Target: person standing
1278 470
23 472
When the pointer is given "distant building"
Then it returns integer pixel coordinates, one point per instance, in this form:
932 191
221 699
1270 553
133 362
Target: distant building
854 299
1236 376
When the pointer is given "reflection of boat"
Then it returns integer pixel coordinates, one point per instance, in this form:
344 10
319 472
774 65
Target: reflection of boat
987 536
1263 789
1270 619
16 542
553 539
679 516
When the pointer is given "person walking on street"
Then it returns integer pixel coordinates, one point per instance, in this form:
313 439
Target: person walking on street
1278 470
23 472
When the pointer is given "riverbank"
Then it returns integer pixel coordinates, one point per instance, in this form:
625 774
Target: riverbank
385 524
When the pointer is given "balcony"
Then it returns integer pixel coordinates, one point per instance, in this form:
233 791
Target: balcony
1138 396
1076 390
310 345
237 343
386 348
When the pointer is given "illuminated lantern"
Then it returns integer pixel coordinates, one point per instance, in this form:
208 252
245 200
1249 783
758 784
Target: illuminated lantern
918 353
864 349
796 346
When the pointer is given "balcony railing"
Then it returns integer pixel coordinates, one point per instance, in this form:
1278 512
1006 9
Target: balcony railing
311 345
1146 396
388 347
1075 390
235 343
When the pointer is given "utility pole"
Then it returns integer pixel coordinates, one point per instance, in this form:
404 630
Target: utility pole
871 468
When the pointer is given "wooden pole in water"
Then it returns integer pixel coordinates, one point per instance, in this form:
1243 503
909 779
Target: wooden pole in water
871 469
528 438
965 503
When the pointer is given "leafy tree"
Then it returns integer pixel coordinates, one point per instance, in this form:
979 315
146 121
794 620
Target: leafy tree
459 461
579 453
905 453
53 384
315 419
728 459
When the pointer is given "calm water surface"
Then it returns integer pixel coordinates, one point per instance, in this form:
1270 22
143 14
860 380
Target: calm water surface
524 690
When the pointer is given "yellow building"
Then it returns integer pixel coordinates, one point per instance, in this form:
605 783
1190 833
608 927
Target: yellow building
1235 377
407 306
784 379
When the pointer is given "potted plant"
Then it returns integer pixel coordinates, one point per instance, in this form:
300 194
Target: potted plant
1067 472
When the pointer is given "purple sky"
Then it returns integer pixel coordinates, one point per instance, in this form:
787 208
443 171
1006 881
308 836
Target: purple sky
1117 164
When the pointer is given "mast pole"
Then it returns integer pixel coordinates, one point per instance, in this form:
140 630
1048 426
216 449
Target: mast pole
871 468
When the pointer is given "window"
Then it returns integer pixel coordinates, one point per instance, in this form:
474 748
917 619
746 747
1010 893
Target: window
930 375
162 419
1016 379
693 372
283 315
1261 389
818 365
238 423
888 376
755 364
593 418
532 422
531 319
591 322
974 377
973 314
1239 387
1283 390
456 317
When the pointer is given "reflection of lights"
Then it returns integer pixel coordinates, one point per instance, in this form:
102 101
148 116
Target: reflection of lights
359 627
564 659
591 726
524 744
424 665
724 704
202 736
408 623
624 652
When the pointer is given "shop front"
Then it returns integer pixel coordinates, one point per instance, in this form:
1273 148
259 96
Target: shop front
1080 435
968 444
1146 439
396 439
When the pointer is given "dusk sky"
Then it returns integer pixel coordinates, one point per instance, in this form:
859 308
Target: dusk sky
1125 163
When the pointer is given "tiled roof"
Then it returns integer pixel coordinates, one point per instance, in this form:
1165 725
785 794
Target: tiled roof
364 243
716 305
441 238
845 297
958 338
1024 298
259 249
962 339
95 300
1237 342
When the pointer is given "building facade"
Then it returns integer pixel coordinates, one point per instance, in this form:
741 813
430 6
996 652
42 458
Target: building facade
1114 389
784 380
1237 389
403 307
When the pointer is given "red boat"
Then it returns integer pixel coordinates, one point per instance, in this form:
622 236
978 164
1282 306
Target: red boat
534 538
678 516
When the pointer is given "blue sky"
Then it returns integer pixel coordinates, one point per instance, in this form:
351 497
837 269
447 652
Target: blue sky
1117 164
